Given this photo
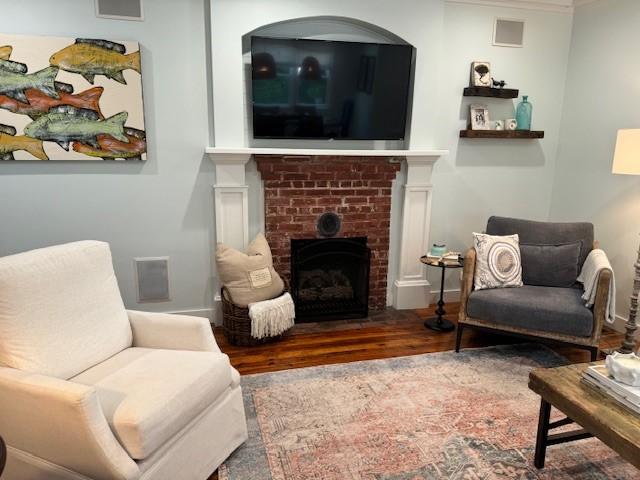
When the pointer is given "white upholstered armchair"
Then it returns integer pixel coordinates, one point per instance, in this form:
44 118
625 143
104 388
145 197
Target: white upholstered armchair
91 390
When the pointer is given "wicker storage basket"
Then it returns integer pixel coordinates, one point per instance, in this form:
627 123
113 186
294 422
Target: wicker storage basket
236 323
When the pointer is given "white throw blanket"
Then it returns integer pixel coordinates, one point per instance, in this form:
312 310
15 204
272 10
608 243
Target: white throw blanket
272 317
594 264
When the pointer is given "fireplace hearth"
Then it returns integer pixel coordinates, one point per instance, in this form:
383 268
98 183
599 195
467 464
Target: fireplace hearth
330 278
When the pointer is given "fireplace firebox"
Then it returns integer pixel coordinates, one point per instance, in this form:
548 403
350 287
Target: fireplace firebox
330 278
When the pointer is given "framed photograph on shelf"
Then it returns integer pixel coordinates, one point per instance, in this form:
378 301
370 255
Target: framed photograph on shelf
479 116
481 74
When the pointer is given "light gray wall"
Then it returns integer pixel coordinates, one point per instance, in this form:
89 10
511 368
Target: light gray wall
602 95
165 206
161 207
482 177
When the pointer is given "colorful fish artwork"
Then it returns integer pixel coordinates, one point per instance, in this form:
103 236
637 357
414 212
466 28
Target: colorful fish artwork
96 57
64 87
46 107
11 66
10 143
38 103
13 84
112 149
5 52
66 124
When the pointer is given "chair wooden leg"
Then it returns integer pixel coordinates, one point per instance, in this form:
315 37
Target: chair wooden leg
459 336
595 351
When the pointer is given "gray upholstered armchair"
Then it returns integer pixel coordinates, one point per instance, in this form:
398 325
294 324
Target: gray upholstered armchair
541 308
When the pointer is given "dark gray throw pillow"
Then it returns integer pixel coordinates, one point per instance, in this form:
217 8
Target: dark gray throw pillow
550 265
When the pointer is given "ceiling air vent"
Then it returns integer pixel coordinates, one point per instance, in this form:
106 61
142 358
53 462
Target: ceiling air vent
508 32
120 9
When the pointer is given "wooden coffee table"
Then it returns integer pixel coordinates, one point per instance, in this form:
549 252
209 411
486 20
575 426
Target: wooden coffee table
598 415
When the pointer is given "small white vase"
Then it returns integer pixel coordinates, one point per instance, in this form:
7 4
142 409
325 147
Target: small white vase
625 368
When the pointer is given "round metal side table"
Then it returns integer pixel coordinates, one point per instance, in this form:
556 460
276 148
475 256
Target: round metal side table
438 323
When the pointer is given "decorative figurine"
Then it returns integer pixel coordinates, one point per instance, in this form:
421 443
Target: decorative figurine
498 83
625 368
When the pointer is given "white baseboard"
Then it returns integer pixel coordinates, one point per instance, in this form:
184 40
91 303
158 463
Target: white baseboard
215 314
619 325
410 294
451 295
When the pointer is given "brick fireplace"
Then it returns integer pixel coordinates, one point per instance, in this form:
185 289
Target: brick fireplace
301 184
298 190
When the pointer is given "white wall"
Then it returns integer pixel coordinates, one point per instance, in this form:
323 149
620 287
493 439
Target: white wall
602 95
161 207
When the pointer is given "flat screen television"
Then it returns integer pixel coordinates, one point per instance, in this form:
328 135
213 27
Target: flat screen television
321 89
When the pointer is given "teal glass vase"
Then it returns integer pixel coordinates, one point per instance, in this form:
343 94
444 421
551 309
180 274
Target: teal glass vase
523 114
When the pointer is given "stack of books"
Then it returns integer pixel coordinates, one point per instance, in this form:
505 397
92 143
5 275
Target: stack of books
449 258
597 376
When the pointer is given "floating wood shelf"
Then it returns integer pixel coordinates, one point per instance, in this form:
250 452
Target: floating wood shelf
501 134
490 92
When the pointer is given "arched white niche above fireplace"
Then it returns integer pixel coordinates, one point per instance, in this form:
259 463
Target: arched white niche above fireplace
233 23
322 28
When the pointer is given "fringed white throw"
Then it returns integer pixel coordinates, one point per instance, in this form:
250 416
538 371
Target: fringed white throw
595 263
272 317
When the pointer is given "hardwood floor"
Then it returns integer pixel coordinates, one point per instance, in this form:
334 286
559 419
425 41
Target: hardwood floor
384 334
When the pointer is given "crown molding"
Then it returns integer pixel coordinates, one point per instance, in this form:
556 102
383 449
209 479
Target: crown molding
560 6
579 3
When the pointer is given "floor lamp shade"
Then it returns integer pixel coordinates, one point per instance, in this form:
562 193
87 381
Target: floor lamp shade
626 160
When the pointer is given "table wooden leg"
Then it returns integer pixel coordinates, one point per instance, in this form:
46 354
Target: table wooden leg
543 433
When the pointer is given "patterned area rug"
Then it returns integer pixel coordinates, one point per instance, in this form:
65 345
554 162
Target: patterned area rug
437 416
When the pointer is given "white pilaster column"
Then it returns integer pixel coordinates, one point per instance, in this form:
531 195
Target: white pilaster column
231 195
411 288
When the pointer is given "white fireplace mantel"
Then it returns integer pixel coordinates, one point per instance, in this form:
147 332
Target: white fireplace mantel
223 152
411 288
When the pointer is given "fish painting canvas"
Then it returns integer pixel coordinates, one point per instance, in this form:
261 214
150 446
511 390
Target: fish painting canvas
70 99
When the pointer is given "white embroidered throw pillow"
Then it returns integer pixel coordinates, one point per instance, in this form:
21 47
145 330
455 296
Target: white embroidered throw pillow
498 261
248 276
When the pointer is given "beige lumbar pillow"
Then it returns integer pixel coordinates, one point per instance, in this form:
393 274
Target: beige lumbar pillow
249 277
